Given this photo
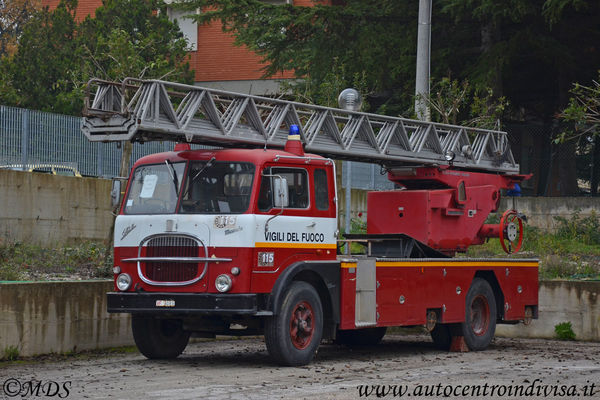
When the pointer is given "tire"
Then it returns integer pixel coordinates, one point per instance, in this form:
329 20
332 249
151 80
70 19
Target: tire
361 337
294 334
480 315
441 336
159 338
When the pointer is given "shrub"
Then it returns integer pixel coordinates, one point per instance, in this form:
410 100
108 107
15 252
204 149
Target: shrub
11 353
564 331
585 229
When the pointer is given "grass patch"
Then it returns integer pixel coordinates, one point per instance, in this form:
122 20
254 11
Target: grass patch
564 331
357 225
10 353
86 260
571 251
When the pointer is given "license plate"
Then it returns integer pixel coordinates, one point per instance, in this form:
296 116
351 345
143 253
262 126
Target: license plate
165 303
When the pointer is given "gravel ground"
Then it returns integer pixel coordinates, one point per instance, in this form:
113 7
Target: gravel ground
241 369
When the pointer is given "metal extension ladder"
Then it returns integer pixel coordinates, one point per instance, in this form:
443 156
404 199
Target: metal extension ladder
149 110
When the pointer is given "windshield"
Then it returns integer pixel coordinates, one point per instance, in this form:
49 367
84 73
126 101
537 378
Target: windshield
217 188
155 188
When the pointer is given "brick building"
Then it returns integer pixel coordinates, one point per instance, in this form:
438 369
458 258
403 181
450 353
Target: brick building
216 61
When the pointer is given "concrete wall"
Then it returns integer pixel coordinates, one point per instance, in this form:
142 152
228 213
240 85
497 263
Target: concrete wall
563 301
540 211
47 317
49 209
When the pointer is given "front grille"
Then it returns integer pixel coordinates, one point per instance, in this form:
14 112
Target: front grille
171 246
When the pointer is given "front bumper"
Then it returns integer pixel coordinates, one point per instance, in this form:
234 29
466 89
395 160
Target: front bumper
183 303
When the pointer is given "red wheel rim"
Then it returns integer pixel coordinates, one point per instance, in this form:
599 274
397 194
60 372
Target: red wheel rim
480 315
301 325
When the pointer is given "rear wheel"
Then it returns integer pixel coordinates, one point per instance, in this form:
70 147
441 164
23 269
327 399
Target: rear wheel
480 315
361 337
294 334
159 338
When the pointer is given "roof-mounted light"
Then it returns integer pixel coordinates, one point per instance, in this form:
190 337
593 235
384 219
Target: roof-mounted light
294 142
349 99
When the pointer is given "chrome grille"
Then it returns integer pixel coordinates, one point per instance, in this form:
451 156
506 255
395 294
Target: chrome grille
171 246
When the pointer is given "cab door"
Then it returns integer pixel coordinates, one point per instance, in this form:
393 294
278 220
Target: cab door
302 228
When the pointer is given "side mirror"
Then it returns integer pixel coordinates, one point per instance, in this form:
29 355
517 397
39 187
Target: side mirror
115 193
281 196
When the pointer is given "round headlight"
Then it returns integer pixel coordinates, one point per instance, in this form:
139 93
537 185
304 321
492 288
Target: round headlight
349 99
123 282
223 283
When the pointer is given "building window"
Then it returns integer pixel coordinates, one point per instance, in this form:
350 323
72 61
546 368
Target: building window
187 26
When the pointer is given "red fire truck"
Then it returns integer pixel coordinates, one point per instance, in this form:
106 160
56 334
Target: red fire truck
244 240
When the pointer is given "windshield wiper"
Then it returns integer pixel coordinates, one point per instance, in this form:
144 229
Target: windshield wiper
173 175
208 164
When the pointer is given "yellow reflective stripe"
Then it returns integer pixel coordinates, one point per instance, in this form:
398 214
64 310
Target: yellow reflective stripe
448 264
458 264
296 245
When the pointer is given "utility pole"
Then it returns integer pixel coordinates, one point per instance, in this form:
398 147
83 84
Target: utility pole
423 61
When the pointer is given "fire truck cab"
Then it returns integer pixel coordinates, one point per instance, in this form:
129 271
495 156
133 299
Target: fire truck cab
204 237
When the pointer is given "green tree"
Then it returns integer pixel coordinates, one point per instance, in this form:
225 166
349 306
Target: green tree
530 51
134 38
57 55
371 41
38 75
527 51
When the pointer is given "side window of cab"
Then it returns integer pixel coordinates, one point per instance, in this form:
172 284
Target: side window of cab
297 186
321 189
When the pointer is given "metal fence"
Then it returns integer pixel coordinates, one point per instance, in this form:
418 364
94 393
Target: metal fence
365 176
34 137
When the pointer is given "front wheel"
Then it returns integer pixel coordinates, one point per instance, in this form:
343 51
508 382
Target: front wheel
294 334
159 338
480 315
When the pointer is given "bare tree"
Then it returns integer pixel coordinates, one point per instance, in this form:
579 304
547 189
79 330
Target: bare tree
14 14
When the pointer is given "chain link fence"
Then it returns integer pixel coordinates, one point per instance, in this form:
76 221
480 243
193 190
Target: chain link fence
558 169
